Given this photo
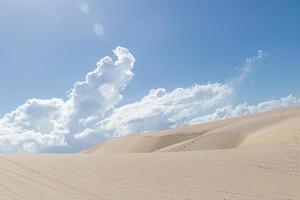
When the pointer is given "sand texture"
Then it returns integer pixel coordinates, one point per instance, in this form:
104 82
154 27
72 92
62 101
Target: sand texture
251 157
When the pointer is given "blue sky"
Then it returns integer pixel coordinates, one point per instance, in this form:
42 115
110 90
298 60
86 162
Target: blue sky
46 46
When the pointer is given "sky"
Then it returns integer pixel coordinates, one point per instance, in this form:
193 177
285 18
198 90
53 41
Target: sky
171 63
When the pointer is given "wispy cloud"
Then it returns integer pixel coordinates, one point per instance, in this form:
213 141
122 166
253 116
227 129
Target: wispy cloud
246 69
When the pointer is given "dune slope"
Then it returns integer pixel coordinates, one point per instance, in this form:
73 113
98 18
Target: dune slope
277 127
263 172
246 158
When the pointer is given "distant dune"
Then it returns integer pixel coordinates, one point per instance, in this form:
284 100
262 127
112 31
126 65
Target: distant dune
251 157
277 127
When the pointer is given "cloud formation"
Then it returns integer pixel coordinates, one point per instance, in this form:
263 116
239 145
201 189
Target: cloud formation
161 109
42 123
91 111
231 111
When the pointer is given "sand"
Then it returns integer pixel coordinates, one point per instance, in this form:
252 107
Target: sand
277 127
251 157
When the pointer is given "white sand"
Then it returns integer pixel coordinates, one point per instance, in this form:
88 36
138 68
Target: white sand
252 157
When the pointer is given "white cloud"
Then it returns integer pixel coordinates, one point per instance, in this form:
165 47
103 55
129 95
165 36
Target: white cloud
161 109
91 112
84 134
245 109
40 124
98 29
85 8
36 124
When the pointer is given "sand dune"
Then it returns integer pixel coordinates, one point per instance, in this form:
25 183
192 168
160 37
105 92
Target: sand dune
277 127
263 172
251 157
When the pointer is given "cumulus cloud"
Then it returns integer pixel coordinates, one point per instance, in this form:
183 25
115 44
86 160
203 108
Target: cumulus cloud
92 113
85 8
161 109
39 124
98 29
